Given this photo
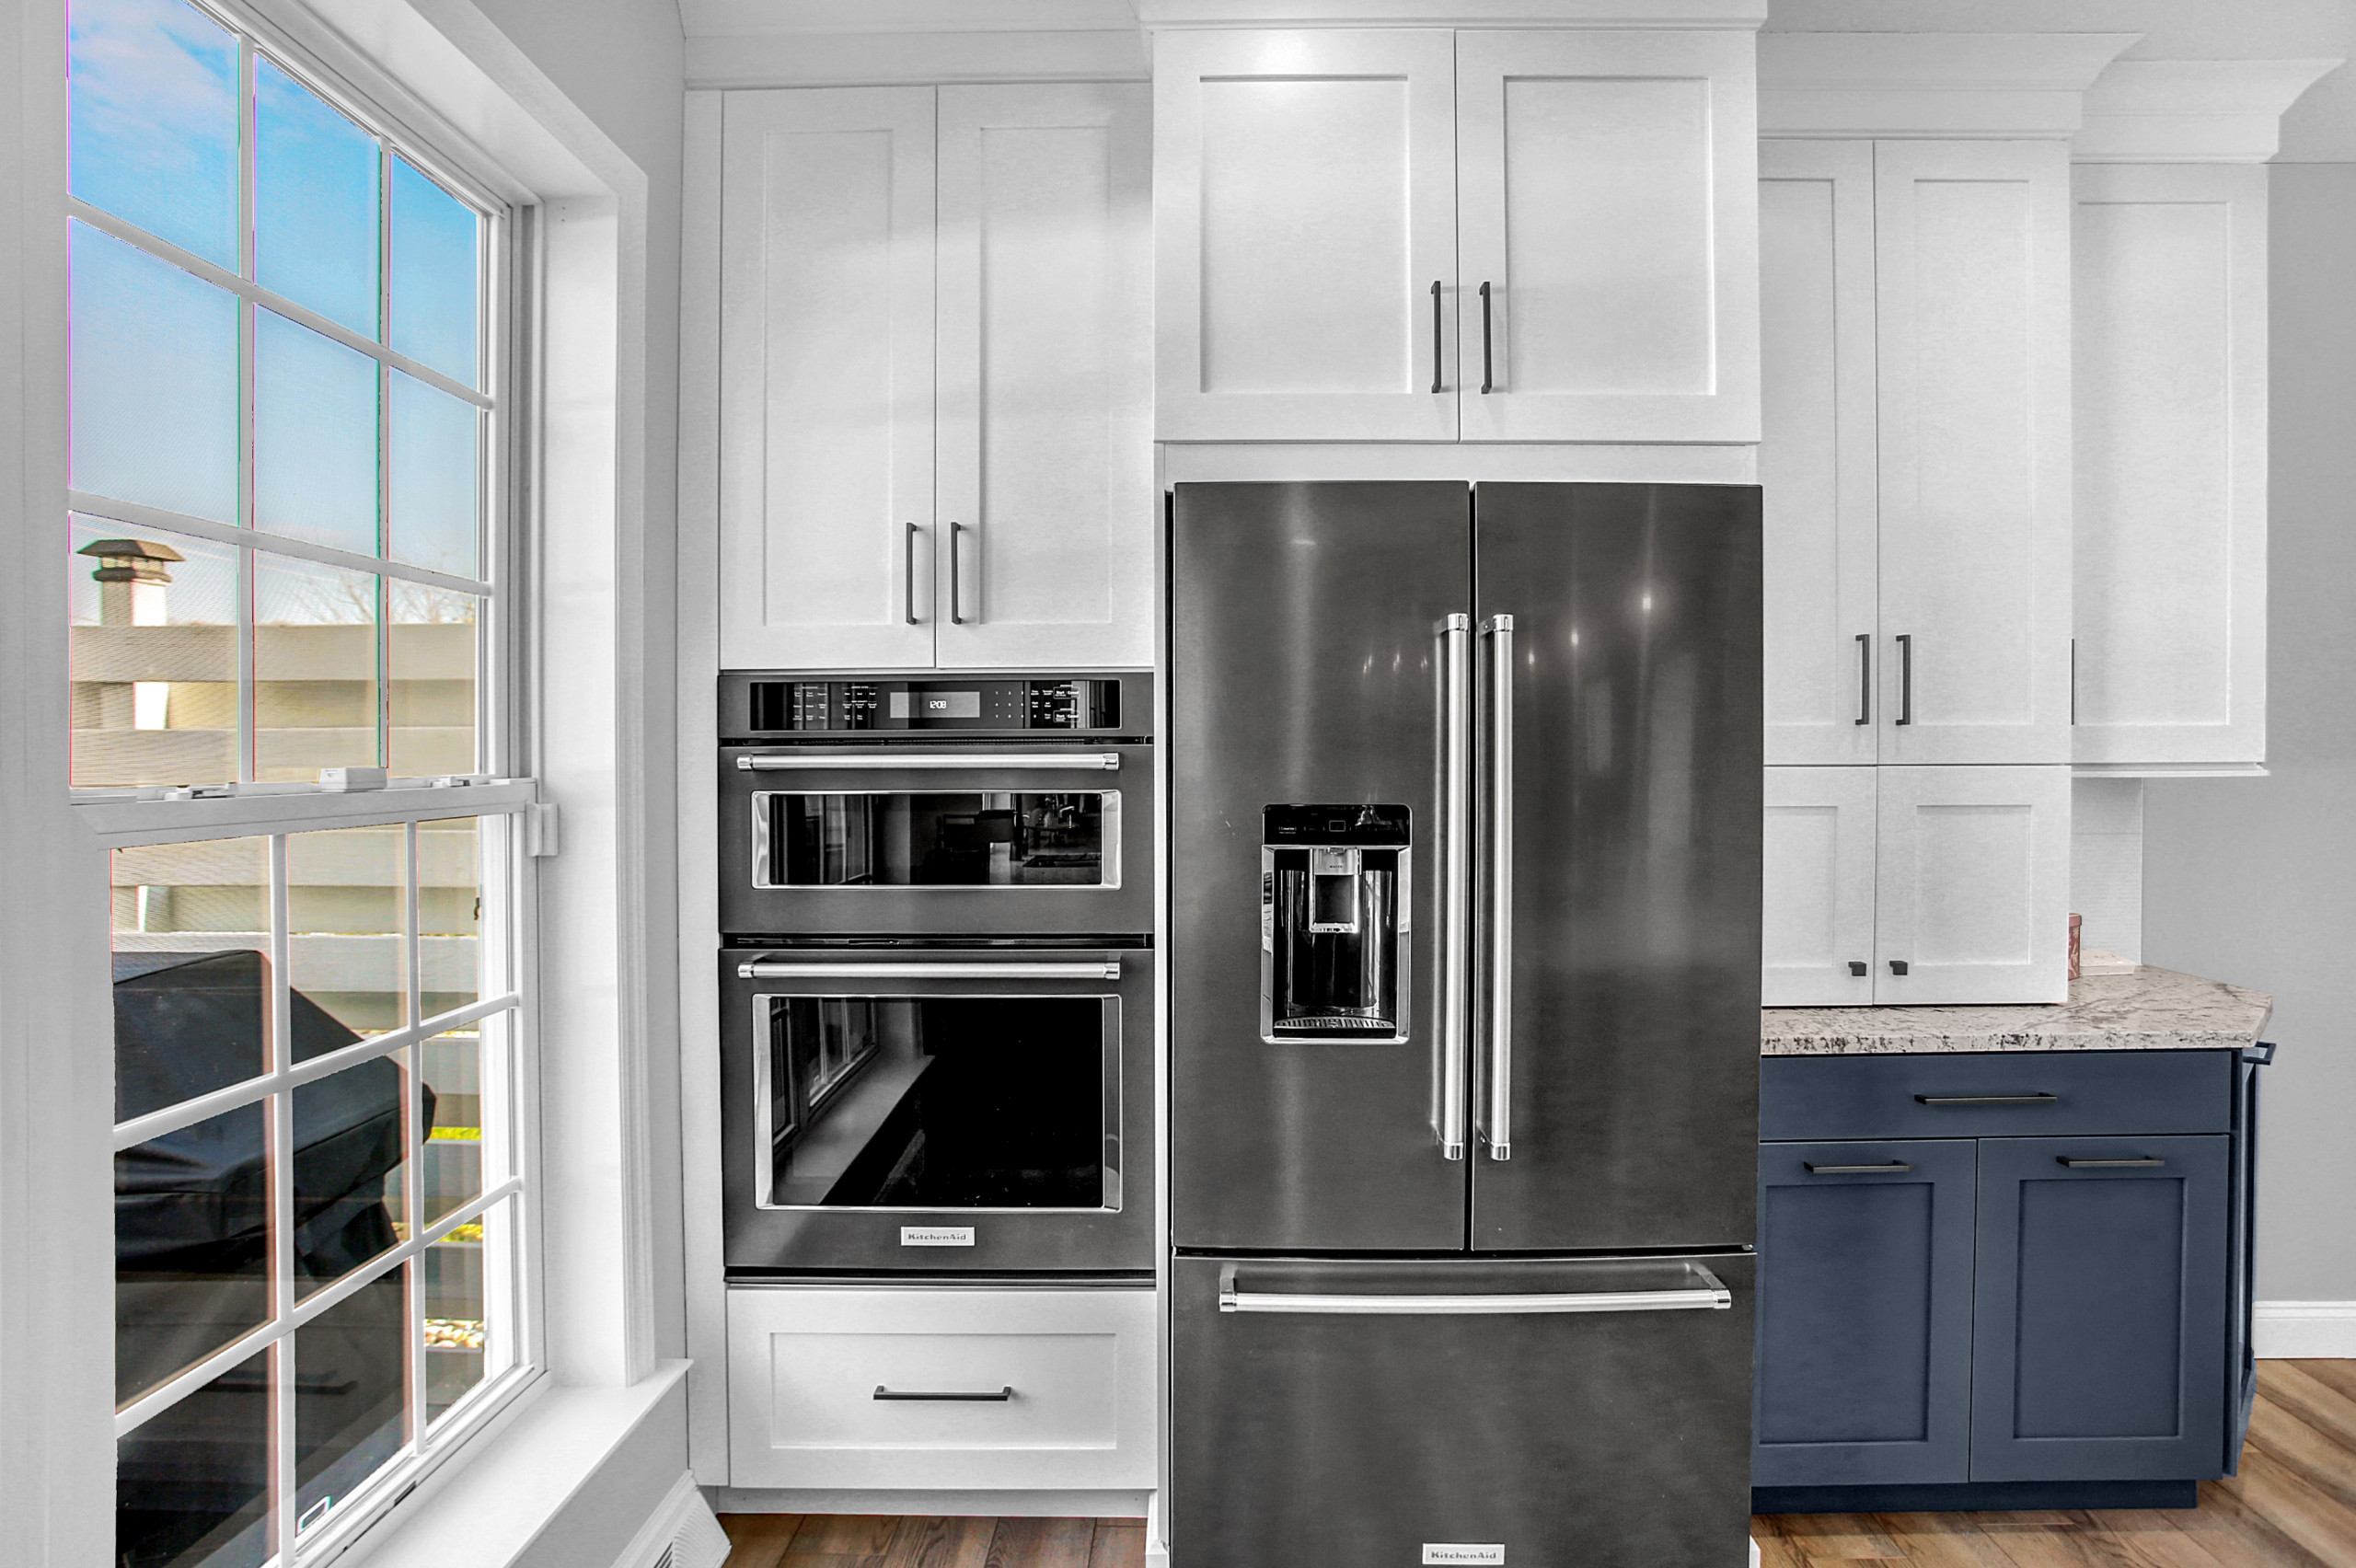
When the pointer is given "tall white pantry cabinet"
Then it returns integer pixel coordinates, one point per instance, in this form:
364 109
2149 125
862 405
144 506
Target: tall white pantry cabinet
936 378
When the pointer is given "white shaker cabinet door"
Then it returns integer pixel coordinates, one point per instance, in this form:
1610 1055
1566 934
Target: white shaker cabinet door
1815 457
1607 201
1973 286
1972 904
1305 236
1047 502
1816 936
827 384
2169 315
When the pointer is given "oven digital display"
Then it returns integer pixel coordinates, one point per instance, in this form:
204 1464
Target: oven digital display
920 703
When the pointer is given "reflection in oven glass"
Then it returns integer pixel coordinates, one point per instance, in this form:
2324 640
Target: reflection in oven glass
984 838
938 1103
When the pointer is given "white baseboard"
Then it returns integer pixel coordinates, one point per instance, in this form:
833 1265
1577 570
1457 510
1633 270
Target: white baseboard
2291 1330
682 1525
1008 1503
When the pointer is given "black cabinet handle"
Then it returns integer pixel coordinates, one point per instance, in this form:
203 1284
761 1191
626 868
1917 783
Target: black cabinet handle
1898 966
1906 678
909 578
980 1397
1814 1169
1485 384
1987 1099
957 537
1438 342
2076 1164
1864 677
1857 967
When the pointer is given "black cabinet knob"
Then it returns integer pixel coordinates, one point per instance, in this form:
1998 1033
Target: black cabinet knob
1857 967
1898 966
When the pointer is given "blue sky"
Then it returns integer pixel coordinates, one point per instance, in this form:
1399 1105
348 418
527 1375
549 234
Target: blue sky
155 375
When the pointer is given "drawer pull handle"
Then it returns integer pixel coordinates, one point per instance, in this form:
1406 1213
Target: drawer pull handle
1987 1099
983 1396
1857 968
2078 1164
1816 1169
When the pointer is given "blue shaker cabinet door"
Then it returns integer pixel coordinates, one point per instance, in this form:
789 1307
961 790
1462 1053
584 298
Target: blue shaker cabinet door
2099 1320
1864 1313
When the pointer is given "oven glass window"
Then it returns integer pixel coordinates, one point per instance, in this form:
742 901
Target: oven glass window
939 1103
976 838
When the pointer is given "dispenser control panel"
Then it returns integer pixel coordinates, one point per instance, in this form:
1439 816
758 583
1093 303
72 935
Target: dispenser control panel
1335 902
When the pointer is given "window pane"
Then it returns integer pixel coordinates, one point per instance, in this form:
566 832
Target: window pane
351 1158
192 970
154 656
155 120
435 638
191 1247
347 901
449 913
315 202
315 436
315 669
350 1387
452 1065
152 395
433 518
436 249
191 1485
466 1323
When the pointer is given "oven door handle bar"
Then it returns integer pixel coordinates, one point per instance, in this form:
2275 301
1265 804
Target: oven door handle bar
1094 969
935 762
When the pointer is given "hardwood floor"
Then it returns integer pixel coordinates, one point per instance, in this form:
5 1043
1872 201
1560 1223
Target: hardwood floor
2293 1506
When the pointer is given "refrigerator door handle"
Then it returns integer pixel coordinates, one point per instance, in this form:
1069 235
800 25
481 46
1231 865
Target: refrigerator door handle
1707 1293
1497 1123
1452 998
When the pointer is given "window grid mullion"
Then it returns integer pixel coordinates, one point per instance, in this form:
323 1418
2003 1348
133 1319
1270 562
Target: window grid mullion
282 1164
247 741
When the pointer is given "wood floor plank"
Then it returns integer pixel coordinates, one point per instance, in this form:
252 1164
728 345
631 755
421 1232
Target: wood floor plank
1775 1549
1942 1540
960 1543
2341 1375
2287 1501
1117 1545
758 1540
2154 1537
2232 1520
1042 1543
2312 1454
2292 1389
1837 1537
861 1538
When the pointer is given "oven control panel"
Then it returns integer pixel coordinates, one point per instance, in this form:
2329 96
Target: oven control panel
816 708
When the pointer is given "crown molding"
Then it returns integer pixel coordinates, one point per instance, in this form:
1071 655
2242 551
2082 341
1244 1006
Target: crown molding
731 18
1645 13
2192 110
885 59
2008 86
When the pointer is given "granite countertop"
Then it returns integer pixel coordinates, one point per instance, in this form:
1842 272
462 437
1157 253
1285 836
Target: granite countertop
2141 1010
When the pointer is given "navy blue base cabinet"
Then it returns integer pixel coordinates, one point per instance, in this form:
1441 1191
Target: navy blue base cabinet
2002 1280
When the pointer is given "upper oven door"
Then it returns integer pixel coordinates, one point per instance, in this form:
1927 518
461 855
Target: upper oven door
906 840
937 1110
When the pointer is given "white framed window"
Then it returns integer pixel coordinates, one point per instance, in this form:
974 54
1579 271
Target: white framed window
291 547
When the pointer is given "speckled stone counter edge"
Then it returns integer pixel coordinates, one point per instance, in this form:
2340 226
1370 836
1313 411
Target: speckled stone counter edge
2144 1009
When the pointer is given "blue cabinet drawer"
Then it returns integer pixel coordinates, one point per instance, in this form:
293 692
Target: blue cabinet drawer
1995 1095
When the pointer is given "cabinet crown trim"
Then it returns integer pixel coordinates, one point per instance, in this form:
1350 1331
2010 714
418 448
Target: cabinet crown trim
1649 14
2192 110
2009 86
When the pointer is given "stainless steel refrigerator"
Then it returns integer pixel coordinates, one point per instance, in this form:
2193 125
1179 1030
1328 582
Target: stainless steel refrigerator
1464 1023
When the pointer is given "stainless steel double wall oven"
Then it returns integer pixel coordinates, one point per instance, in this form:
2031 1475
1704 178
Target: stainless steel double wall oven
936 987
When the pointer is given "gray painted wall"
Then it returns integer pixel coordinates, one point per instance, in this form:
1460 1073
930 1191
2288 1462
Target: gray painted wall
2254 881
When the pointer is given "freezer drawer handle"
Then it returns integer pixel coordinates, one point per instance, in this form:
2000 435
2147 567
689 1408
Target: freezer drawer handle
982 1396
1987 1099
934 762
1094 969
1816 1169
2082 1164
1710 1294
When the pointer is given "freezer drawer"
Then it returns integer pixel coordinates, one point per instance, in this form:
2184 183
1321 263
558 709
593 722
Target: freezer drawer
1594 1413
955 1386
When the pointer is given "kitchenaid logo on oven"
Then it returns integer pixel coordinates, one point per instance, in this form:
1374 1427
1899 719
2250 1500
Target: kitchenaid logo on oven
940 1236
1462 1551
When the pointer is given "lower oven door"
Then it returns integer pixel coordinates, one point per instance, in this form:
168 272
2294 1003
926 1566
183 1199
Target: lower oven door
899 840
937 1111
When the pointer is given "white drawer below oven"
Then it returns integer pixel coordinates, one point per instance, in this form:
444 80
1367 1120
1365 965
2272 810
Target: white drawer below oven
807 1363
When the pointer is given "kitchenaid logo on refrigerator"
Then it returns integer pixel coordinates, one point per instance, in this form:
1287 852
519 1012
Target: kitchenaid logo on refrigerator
943 1236
1462 1552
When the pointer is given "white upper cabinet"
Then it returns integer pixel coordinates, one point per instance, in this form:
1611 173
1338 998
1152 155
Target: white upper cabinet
936 378
1305 236
826 377
1605 236
1816 936
1972 901
1328 205
1046 443
1972 284
1817 471
2170 324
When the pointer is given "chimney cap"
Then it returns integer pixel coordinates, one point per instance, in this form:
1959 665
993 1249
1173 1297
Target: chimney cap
130 549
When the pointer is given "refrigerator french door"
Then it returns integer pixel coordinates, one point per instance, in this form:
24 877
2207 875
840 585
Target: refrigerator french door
1528 717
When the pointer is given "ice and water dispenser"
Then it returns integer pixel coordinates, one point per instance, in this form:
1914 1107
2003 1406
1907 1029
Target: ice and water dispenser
1333 923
